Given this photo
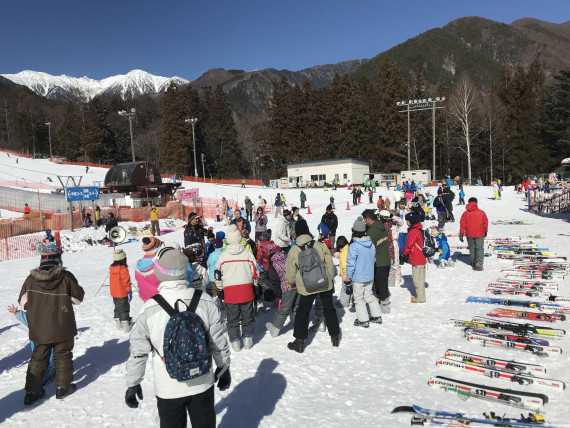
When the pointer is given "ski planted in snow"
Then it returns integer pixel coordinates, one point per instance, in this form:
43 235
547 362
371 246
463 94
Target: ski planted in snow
497 373
521 399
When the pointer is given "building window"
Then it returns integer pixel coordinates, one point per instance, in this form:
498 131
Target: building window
314 178
345 176
322 177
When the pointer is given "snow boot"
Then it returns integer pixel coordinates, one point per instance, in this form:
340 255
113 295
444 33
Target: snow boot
118 324
273 331
126 325
32 397
376 320
385 306
297 345
479 267
442 264
236 345
416 300
64 391
450 263
247 341
335 340
364 324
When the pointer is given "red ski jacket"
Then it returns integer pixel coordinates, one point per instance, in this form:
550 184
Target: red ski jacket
415 245
473 223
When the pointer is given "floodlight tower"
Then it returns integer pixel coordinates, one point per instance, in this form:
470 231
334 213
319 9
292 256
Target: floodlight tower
130 116
193 121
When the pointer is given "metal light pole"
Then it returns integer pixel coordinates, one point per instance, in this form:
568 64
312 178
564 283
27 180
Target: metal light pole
49 133
193 122
130 116
203 168
418 105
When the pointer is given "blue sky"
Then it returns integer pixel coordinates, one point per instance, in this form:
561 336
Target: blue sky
102 38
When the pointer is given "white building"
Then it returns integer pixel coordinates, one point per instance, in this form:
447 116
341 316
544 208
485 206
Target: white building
304 174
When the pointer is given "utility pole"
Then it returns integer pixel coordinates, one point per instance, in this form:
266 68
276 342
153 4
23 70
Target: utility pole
49 133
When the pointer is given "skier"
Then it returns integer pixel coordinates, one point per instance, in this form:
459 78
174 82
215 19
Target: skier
121 291
414 249
442 248
360 269
461 197
238 275
176 399
243 183
49 290
300 331
474 226
86 169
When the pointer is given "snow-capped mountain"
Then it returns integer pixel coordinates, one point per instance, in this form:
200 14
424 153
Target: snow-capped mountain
136 82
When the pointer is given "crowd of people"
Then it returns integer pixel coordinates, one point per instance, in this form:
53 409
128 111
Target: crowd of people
224 277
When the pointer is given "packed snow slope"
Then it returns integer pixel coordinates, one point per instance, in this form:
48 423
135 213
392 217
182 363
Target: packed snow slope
355 385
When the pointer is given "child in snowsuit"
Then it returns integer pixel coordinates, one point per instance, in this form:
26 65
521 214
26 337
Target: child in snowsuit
121 292
461 197
442 248
324 235
284 291
344 299
331 200
217 213
238 275
21 316
360 265
144 271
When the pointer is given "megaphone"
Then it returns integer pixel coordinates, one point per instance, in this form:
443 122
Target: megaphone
117 234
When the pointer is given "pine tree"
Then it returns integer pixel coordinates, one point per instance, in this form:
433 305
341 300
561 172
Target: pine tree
96 135
173 151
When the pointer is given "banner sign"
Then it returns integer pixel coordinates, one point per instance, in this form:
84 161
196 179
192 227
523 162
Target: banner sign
184 194
82 193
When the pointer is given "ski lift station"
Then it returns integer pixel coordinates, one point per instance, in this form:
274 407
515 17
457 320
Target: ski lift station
303 174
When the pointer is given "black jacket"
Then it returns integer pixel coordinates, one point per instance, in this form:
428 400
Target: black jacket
331 221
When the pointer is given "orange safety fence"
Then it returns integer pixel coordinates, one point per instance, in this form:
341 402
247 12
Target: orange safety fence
20 247
12 152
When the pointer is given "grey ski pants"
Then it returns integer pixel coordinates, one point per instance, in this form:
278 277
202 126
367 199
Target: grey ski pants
362 295
240 313
476 250
288 302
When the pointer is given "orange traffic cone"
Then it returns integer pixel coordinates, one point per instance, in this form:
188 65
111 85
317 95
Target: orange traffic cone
347 206
309 209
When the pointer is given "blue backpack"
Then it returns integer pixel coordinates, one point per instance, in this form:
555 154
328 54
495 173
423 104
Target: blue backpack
186 345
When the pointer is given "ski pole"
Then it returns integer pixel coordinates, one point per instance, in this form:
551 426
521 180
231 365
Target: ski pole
102 284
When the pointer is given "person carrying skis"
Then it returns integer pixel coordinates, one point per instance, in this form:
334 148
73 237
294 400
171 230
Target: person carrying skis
414 249
474 225
48 296
360 269
176 400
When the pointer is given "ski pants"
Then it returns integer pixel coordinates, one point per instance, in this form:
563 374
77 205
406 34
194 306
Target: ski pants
476 250
419 278
62 361
381 274
200 407
122 308
278 211
301 329
248 214
155 227
363 295
441 218
288 303
240 313
302 204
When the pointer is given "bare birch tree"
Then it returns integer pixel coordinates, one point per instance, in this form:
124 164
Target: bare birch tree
463 109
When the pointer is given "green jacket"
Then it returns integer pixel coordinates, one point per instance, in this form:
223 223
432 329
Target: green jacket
379 235
292 267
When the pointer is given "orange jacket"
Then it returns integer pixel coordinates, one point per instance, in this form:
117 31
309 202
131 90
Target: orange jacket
120 281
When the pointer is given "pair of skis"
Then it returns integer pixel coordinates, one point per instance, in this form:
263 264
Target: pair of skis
536 316
537 346
508 302
528 330
528 293
524 285
422 416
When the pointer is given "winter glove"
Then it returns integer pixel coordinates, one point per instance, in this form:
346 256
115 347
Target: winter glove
130 396
461 237
485 234
130 295
223 377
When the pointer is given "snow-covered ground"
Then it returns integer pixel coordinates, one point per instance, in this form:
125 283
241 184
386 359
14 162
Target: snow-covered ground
355 385
5 214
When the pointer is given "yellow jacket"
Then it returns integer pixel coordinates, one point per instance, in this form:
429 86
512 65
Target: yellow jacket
153 211
342 259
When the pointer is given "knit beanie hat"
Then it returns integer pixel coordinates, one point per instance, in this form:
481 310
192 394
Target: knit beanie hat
439 191
329 207
472 200
221 234
266 235
233 236
301 228
413 217
323 229
51 254
359 225
150 244
170 264
218 242
119 255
